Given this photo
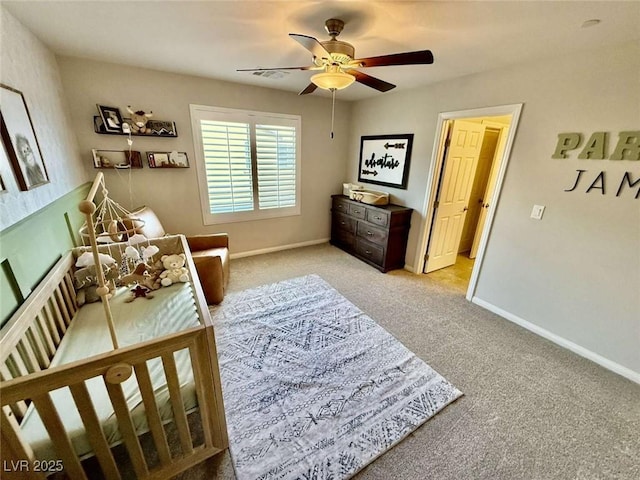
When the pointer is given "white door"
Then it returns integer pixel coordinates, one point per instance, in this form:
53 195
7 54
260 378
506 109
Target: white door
487 199
453 198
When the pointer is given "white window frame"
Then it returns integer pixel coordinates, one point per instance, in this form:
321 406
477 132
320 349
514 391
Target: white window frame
204 112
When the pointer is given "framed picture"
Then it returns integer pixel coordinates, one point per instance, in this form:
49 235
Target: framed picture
5 168
20 140
384 160
116 159
167 159
162 128
111 119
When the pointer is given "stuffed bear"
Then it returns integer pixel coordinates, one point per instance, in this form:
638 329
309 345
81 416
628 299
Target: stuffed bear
175 271
139 120
86 282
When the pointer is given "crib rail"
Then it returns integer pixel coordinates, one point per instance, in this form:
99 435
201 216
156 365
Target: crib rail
30 339
114 368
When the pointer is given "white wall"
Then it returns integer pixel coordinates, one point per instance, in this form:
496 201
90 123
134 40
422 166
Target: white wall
575 273
173 194
29 66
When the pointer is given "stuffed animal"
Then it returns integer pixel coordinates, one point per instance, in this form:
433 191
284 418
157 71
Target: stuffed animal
139 292
139 120
175 271
143 275
86 283
86 259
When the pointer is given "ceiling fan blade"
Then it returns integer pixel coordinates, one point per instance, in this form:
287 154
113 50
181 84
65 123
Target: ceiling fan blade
274 68
372 82
309 89
311 44
422 57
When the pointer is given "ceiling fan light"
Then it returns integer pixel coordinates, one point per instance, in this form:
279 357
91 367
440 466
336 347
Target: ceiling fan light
332 80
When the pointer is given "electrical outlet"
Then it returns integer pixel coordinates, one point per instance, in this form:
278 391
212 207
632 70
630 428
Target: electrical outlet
537 212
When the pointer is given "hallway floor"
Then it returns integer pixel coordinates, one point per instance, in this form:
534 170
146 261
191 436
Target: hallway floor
457 275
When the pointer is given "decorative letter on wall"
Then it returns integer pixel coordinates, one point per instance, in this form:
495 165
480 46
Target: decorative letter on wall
596 147
628 147
566 141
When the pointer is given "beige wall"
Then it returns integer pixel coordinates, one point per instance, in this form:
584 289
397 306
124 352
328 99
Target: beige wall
29 66
575 273
173 194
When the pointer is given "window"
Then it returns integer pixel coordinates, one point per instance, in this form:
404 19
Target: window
248 164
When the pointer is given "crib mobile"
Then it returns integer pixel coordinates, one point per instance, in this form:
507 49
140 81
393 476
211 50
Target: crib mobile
104 224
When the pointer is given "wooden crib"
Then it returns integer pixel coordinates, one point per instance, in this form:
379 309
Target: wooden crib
32 379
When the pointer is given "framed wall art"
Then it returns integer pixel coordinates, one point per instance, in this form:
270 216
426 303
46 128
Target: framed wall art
167 159
384 159
5 168
116 159
162 128
111 119
19 139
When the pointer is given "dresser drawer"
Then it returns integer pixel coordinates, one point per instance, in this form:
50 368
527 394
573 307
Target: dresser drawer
343 222
340 205
357 210
373 253
371 233
378 217
343 238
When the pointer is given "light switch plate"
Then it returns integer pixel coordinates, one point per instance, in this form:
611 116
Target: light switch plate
537 212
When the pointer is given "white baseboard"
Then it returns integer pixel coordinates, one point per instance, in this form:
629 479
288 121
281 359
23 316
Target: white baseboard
409 268
278 248
563 342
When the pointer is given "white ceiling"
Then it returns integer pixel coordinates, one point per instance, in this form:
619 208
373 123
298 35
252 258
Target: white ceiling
214 38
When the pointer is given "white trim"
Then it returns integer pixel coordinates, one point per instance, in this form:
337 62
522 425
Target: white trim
427 211
279 248
563 342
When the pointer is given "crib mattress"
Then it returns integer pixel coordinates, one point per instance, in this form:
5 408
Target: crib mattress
172 309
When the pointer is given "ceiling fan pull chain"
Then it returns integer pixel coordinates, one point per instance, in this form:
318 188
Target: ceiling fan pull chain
333 108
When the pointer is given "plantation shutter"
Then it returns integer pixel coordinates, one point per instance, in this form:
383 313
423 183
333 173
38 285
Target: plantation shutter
248 164
227 156
276 165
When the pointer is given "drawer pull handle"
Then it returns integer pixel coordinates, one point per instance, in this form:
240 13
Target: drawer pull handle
369 233
356 211
378 218
367 252
342 223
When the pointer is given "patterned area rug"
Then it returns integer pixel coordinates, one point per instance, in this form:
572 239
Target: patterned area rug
314 388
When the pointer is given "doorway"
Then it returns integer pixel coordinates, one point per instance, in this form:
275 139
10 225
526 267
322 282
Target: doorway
467 169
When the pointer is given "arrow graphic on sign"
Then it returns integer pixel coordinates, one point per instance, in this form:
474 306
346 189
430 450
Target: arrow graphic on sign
394 145
370 172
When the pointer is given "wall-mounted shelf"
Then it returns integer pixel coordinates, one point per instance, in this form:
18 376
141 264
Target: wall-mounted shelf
116 159
158 128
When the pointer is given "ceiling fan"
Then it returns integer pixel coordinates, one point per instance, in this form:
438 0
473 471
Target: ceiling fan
338 65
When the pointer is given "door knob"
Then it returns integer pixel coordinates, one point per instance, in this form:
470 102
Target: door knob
465 209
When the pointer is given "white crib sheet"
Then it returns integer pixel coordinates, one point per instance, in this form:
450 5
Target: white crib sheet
172 309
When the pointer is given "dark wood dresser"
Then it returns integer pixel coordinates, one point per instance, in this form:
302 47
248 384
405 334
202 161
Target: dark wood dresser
374 234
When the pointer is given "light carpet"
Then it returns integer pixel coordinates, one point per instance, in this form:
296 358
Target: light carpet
314 388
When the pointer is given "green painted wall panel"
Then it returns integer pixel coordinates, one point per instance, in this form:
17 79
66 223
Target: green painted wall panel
32 246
